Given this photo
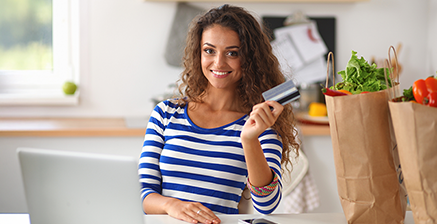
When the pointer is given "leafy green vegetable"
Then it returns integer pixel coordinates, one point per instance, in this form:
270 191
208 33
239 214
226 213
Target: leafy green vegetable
408 94
359 76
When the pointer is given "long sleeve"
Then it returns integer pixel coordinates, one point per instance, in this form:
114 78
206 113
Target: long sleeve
149 172
272 148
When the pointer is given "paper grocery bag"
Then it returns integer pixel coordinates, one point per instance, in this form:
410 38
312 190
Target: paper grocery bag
367 180
364 154
415 128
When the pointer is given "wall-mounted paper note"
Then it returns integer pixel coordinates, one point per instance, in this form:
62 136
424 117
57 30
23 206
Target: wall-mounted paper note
306 38
287 54
300 51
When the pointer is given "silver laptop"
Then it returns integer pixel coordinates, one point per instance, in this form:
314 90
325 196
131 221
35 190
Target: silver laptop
80 188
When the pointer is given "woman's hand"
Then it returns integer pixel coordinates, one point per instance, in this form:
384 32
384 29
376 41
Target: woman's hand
193 212
261 118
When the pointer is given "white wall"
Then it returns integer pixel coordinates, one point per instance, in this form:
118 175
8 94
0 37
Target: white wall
123 43
431 50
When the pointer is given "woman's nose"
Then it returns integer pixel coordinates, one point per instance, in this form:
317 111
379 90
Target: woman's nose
220 60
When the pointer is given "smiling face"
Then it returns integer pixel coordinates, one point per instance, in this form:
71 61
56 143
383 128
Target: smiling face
220 59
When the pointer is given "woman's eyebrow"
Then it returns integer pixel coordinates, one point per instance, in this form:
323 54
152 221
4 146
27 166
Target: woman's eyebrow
211 45
232 47
208 44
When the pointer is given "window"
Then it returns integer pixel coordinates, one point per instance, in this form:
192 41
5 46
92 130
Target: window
38 51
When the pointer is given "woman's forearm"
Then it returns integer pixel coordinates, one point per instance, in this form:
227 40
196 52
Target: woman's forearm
258 169
156 204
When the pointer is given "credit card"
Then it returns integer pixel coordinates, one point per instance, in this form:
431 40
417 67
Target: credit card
283 93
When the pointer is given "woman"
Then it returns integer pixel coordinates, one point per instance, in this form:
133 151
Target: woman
201 149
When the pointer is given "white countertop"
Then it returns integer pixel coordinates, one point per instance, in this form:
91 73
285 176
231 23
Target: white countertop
305 218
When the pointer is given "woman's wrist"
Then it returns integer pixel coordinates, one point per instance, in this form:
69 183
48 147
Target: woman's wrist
155 203
265 190
248 138
249 143
169 202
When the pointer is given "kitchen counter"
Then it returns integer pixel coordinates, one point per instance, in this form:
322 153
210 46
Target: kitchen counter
304 218
96 127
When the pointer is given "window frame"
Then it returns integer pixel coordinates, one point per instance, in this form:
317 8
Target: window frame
39 87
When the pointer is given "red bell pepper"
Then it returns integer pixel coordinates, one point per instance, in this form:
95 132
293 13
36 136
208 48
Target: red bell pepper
430 100
431 84
420 90
331 92
425 91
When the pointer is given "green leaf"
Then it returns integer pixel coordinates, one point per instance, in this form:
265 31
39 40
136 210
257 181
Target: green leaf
360 76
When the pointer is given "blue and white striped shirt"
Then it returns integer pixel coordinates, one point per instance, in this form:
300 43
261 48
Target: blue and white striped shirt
184 161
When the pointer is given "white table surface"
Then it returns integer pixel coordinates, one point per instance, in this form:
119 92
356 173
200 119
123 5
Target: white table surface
306 218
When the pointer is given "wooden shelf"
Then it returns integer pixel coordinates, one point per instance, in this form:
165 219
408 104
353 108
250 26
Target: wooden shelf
66 127
93 127
314 130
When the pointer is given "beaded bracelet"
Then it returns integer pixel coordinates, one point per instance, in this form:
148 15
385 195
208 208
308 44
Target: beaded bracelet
266 190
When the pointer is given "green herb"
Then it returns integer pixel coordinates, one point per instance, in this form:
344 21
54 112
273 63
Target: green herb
360 76
408 94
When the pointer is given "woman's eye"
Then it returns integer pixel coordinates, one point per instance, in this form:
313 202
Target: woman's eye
233 53
208 51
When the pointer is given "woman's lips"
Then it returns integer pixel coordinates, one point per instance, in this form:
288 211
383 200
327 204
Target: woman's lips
220 74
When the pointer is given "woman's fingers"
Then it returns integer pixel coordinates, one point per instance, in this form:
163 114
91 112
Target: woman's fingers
277 108
261 118
187 218
204 215
266 113
193 212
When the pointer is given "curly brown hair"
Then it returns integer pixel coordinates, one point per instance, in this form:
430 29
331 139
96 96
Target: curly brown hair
261 70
